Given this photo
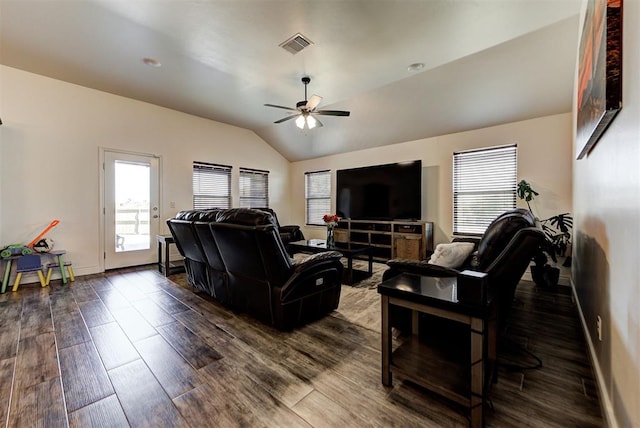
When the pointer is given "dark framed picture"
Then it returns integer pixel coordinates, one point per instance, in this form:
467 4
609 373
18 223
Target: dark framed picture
599 95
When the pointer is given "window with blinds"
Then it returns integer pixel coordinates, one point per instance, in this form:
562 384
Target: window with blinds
211 186
254 188
484 186
317 189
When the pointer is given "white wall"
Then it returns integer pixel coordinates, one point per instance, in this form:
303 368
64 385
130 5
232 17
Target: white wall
544 159
49 169
605 267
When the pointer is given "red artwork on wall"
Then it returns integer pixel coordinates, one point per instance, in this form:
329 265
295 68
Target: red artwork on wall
599 95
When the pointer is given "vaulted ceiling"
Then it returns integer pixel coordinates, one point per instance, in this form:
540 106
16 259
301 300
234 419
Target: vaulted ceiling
486 62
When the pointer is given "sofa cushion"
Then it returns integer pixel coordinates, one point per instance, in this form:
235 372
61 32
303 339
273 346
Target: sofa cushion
245 217
198 215
451 255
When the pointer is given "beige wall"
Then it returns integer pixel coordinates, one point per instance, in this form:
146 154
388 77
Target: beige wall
49 150
606 269
544 159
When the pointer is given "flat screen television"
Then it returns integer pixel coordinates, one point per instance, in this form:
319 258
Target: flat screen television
380 192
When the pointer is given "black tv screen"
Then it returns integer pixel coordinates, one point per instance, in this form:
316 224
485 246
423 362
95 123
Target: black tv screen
380 192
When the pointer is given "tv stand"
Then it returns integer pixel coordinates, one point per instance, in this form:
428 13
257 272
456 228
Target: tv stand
397 239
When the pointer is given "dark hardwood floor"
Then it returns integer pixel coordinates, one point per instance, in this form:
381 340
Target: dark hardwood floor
132 348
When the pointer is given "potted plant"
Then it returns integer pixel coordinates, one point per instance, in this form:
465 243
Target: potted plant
557 232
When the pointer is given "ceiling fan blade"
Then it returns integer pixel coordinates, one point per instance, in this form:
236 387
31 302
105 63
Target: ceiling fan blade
284 119
313 102
283 107
332 112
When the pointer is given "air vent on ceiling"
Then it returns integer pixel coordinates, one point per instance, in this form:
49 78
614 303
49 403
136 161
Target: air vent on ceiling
295 44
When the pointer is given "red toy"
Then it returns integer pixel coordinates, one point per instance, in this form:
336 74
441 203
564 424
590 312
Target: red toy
53 224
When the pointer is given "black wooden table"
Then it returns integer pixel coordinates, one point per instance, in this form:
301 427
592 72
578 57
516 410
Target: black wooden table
349 251
165 265
461 376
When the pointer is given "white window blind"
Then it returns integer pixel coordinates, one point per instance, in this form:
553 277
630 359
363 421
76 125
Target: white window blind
254 188
317 189
484 186
211 186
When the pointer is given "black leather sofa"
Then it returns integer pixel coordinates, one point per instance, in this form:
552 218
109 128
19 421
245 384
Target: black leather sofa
237 256
503 252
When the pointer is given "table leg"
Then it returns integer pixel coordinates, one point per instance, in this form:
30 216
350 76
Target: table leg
477 372
370 263
7 272
166 260
63 271
387 379
350 270
492 344
415 322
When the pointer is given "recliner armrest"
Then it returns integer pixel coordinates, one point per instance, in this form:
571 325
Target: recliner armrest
318 272
291 232
289 228
398 266
301 265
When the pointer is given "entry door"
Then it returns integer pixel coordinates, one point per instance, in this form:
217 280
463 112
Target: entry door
131 213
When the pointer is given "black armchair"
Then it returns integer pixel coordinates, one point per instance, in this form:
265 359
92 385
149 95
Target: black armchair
288 233
504 252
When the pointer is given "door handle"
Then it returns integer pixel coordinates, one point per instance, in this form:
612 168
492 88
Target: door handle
156 216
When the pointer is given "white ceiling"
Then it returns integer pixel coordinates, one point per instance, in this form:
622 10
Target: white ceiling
486 62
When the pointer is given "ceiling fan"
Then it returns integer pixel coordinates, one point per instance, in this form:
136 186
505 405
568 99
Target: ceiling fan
305 109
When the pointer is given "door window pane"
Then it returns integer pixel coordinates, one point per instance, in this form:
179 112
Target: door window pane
132 190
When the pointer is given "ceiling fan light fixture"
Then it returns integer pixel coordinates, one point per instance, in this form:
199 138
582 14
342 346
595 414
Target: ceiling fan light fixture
311 122
306 121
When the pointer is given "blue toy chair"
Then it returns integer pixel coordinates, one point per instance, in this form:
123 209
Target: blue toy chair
28 263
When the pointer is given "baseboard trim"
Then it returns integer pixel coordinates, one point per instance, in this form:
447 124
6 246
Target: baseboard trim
605 401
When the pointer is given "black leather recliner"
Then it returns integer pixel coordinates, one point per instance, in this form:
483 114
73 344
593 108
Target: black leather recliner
200 273
503 252
288 233
238 257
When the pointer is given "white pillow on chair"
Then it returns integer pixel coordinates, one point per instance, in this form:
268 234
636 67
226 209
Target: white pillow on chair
451 255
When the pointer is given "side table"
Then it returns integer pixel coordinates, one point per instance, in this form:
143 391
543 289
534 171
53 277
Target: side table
166 266
462 377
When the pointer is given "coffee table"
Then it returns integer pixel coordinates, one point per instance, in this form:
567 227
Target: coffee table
348 250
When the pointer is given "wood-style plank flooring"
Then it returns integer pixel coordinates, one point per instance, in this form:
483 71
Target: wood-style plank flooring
132 348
